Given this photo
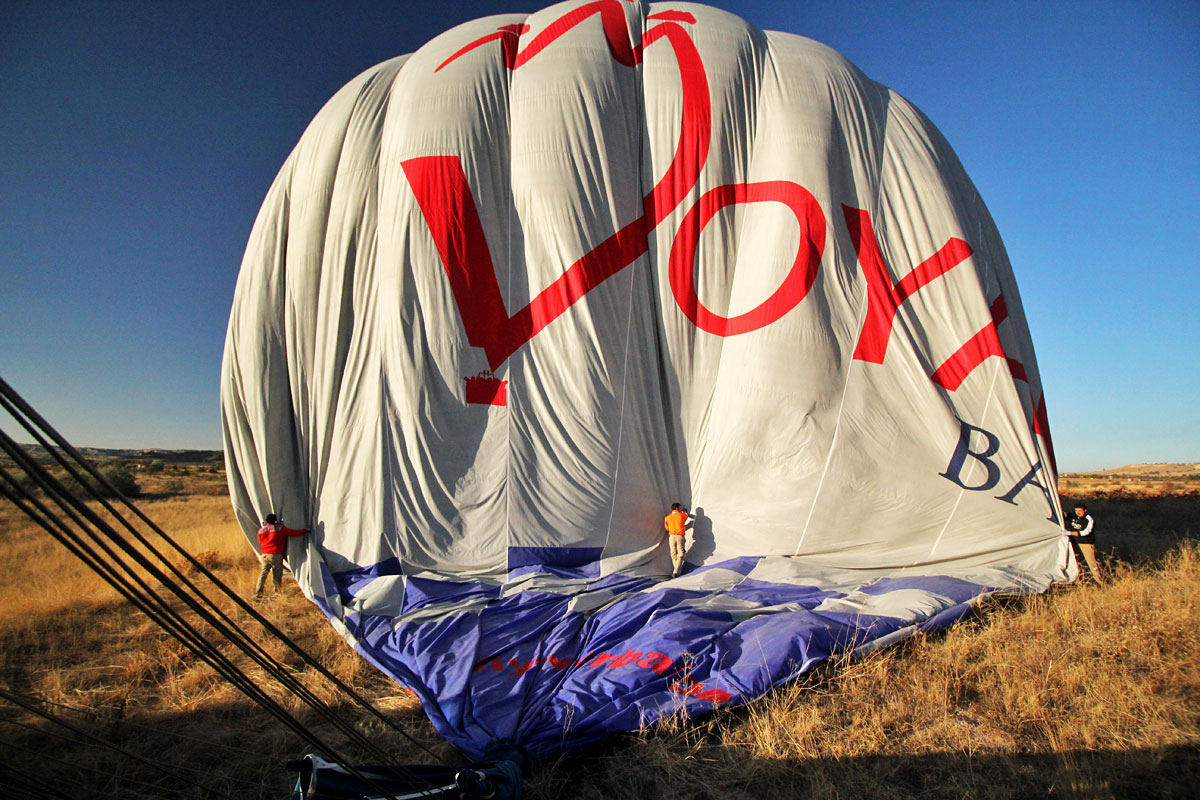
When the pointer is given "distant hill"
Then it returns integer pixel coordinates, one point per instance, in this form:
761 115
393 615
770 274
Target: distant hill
1149 470
207 457
102 454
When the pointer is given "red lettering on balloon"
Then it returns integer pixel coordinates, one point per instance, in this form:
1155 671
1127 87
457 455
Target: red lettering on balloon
883 296
656 661
520 668
600 659
674 16
445 199
685 686
508 36
449 208
981 346
1041 426
612 19
628 658
799 278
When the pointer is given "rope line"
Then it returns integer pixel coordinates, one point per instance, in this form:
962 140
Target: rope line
130 723
13 403
131 585
34 788
152 606
257 653
106 718
74 765
25 704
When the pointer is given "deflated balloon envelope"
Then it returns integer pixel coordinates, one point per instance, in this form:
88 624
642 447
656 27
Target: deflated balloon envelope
514 294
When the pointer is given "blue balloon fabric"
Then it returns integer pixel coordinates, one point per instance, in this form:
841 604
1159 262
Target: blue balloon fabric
558 659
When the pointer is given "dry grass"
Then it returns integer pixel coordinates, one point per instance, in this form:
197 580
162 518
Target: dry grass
1140 480
66 636
1085 692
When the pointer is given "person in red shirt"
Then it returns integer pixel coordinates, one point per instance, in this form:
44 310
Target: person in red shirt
272 540
676 525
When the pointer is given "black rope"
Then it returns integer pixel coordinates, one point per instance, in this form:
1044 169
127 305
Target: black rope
226 626
42 731
91 712
158 788
153 605
33 709
157 611
186 633
144 597
14 403
12 780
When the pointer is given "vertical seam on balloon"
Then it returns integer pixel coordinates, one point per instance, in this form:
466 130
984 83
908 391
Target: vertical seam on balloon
862 313
971 469
697 475
861 318
387 475
510 75
662 347
837 429
333 401
628 324
621 419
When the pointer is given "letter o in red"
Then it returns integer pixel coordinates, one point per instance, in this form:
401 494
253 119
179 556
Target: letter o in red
794 287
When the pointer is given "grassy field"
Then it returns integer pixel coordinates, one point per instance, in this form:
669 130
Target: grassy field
1135 480
1085 692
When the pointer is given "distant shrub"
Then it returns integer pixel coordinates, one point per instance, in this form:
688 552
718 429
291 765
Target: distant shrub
155 466
173 487
117 475
121 479
27 484
73 486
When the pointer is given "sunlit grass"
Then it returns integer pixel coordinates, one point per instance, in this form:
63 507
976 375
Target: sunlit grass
1084 692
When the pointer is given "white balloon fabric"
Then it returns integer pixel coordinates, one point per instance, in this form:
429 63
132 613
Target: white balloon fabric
514 294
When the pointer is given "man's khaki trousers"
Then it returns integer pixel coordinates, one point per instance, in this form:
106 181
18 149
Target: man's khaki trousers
678 550
272 563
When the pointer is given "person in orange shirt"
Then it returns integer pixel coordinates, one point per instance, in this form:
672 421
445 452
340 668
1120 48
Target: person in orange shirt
272 540
676 524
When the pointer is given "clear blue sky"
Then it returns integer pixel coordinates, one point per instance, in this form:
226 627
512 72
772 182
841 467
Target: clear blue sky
137 141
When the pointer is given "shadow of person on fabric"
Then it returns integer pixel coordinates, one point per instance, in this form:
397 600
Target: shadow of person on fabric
703 543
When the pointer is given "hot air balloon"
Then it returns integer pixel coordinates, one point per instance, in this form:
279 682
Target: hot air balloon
515 294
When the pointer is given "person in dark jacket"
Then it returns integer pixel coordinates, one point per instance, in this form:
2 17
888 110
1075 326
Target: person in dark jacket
272 540
1081 527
